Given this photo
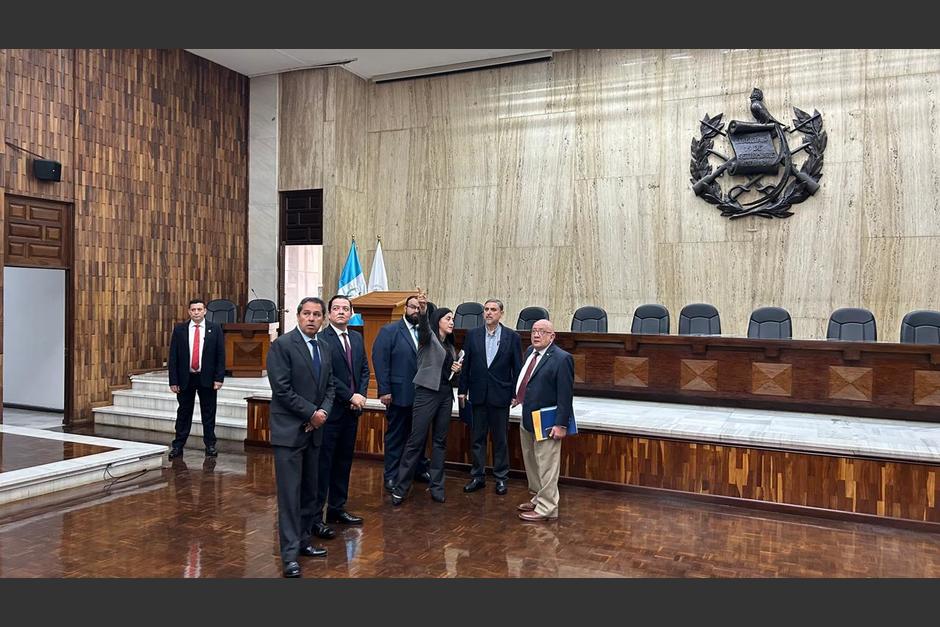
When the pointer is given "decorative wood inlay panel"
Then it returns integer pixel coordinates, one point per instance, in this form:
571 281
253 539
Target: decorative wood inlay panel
153 146
699 374
34 233
580 366
852 384
927 387
771 379
632 371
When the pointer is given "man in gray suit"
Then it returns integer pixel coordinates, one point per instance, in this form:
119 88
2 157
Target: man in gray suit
302 392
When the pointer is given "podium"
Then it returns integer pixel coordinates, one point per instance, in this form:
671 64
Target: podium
377 310
246 348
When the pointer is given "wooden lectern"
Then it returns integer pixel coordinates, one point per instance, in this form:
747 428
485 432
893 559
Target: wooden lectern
377 310
246 348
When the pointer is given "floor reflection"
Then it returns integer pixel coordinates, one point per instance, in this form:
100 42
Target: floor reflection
217 518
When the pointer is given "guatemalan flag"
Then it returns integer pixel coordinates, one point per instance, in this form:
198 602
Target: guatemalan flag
352 282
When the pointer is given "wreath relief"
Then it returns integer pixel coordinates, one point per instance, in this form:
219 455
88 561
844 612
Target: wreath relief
760 149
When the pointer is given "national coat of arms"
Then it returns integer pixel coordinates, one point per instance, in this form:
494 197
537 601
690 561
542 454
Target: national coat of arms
761 149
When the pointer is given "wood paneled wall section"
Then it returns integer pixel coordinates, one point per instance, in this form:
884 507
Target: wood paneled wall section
567 183
154 151
890 489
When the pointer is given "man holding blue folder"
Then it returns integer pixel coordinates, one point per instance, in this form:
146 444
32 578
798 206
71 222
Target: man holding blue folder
546 382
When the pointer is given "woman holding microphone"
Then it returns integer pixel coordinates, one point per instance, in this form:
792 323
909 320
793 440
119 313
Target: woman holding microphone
438 366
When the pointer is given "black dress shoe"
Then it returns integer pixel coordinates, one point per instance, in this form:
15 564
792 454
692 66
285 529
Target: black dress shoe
423 477
211 452
437 498
322 531
501 487
389 485
475 484
313 551
292 569
397 499
175 452
343 517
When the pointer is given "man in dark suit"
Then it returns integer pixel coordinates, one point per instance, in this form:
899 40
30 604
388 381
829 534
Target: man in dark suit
196 366
547 380
492 359
394 357
300 370
351 379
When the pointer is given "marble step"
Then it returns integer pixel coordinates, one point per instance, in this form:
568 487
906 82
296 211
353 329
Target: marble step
232 389
138 399
226 428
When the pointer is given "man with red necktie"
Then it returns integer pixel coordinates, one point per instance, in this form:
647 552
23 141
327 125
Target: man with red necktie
196 366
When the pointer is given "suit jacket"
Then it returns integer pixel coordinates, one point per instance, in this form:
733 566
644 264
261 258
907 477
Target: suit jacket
394 358
296 394
551 384
494 384
341 373
431 354
212 361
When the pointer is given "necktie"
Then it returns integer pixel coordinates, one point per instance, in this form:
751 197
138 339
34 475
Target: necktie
520 395
316 359
348 358
194 361
414 332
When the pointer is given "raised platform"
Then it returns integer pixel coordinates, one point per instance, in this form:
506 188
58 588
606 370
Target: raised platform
34 462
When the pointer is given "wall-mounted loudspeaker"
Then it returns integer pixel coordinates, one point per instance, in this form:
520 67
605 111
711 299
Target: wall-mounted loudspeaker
47 170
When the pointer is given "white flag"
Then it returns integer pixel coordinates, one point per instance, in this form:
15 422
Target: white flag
378 280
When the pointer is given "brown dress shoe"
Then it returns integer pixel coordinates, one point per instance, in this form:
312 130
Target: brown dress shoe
528 506
535 517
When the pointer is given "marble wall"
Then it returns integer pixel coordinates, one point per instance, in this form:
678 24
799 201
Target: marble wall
263 233
566 183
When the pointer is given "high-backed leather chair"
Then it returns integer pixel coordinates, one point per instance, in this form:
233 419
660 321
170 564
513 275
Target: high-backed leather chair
468 316
261 310
221 311
589 320
852 324
699 319
529 316
921 327
770 323
650 319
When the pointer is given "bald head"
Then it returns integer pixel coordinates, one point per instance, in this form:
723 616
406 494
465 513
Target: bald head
543 334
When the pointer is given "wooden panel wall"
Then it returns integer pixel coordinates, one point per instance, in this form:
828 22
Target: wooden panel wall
566 183
154 151
891 489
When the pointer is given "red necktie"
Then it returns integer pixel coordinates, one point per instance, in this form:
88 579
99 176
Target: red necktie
194 362
520 395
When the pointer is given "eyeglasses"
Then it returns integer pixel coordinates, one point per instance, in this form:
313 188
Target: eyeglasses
537 332
412 307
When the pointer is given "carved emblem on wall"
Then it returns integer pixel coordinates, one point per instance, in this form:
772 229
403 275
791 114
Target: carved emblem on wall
770 181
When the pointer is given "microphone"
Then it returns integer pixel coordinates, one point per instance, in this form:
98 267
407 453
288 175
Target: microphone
253 292
459 361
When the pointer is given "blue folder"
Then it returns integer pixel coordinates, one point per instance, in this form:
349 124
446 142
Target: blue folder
544 419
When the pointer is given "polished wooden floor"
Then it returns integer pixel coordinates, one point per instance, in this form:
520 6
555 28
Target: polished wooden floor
205 518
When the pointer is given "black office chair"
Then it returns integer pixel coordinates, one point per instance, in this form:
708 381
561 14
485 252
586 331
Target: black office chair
468 316
699 319
261 310
921 327
589 320
221 311
852 324
651 320
770 323
529 316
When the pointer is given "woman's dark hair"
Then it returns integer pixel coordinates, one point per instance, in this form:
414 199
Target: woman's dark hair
434 322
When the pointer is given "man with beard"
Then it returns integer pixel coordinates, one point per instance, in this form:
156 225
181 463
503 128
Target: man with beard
394 357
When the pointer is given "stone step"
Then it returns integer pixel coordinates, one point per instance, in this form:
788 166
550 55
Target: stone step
231 389
226 428
138 399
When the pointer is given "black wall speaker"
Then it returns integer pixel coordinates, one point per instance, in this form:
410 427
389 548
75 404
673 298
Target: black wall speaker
47 170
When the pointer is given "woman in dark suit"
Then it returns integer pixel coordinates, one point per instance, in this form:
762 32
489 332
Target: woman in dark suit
434 399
